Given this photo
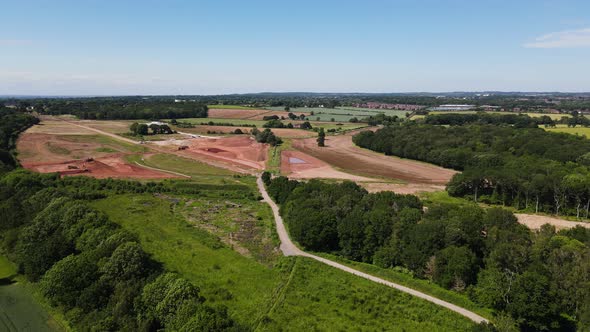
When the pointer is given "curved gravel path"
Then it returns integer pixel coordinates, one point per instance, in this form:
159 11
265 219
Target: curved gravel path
290 249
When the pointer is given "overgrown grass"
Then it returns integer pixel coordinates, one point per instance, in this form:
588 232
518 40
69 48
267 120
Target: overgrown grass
202 172
296 294
317 297
274 156
406 279
7 268
225 276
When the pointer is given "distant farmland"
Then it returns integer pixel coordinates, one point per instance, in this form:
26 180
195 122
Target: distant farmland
339 113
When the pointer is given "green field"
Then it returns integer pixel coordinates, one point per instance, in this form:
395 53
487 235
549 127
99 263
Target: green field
262 289
342 113
580 131
371 111
231 107
260 123
321 298
19 310
531 114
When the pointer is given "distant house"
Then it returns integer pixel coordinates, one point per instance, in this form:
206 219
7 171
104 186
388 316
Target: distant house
155 123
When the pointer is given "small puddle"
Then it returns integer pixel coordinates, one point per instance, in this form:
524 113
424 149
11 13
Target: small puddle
293 160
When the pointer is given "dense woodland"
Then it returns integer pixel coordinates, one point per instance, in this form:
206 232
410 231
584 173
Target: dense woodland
517 120
540 279
123 108
90 268
11 124
527 168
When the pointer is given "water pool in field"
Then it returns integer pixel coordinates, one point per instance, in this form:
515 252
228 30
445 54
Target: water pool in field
293 160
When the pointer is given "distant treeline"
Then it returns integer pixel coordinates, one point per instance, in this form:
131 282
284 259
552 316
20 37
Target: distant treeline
95 272
527 168
124 109
330 100
12 123
535 280
518 120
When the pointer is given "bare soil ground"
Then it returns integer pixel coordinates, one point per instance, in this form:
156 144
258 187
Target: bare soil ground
240 153
299 165
36 148
236 113
341 152
58 146
534 221
113 166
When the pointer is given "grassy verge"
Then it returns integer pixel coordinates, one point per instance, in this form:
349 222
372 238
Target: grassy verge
7 268
407 280
273 164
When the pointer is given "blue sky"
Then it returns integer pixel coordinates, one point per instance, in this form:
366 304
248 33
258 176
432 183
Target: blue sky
207 47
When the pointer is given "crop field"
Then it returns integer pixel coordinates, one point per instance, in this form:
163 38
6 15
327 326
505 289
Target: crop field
226 246
372 111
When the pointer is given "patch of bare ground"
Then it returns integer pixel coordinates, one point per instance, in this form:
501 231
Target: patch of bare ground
223 113
341 152
534 221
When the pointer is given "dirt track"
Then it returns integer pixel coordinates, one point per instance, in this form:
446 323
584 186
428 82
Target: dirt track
533 221
341 152
290 249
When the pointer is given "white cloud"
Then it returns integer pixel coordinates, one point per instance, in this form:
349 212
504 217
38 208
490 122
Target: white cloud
562 39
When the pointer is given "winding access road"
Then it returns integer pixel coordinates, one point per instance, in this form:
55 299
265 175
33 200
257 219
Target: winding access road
290 249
